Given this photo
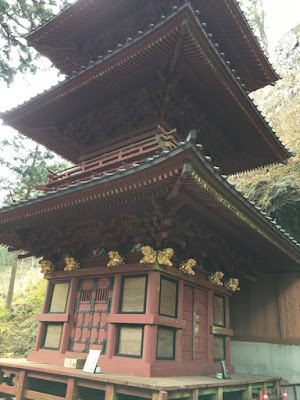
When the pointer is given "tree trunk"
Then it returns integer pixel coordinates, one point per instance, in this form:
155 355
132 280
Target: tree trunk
12 281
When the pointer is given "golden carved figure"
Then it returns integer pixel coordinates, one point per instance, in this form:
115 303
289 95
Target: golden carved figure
187 266
46 267
216 278
163 257
115 259
149 255
232 284
71 264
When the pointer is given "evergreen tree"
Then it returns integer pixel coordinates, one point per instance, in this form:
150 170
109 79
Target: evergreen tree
255 14
17 18
25 168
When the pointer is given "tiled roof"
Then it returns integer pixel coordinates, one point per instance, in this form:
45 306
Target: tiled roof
246 212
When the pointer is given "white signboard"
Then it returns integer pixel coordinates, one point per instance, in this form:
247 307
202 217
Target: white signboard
91 361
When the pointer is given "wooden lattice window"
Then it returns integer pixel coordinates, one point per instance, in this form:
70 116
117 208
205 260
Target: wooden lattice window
59 297
165 343
133 294
52 335
219 310
168 297
102 295
219 348
130 341
85 295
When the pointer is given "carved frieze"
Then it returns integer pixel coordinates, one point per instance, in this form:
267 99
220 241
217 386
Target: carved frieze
161 225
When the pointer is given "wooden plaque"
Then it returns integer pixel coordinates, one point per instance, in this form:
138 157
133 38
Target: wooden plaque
168 297
52 336
133 294
165 344
130 341
219 310
219 348
59 297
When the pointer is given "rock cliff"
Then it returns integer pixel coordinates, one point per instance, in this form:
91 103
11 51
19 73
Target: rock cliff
276 188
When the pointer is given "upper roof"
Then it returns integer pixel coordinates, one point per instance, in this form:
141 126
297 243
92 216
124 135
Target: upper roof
88 28
139 204
174 73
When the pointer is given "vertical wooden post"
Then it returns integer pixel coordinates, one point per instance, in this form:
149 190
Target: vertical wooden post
247 394
277 389
195 394
152 306
21 385
112 328
110 393
162 395
72 390
210 320
67 328
219 394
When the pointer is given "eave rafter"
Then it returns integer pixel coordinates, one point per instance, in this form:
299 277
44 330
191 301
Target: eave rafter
195 191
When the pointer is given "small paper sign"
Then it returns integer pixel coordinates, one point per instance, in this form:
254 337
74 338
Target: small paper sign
91 361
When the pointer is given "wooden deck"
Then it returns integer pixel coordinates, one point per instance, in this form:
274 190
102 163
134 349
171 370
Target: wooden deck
27 380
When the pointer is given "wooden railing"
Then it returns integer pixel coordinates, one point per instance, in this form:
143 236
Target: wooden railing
111 161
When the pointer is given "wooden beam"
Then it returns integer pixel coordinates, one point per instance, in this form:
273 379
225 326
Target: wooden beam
162 395
7 389
72 390
247 394
22 386
110 393
32 395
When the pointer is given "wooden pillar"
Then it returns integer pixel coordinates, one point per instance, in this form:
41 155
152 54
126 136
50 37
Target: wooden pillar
21 385
116 294
195 394
210 320
227 325
152 302
247 394
40 331
66 332
218 395
72 390
110 393
162 395
152 307
112 328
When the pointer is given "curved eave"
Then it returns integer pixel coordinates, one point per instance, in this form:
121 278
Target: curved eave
224 18
102 78
202 182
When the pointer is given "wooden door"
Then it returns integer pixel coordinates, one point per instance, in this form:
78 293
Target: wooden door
195 314
92 304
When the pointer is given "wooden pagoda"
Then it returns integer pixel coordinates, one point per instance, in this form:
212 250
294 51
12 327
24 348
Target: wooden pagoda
144 240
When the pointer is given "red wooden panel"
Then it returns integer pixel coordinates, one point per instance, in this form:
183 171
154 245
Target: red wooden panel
90 314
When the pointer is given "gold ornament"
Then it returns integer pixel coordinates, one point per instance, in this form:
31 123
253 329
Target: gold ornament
232 284
71 264
115 259
46 267
216 278
149 255
163 257
187 266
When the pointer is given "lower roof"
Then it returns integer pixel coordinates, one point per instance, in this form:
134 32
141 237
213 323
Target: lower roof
175 200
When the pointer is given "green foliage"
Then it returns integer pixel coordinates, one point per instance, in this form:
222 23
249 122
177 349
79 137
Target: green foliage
18 327
18 17
254 12
26 168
